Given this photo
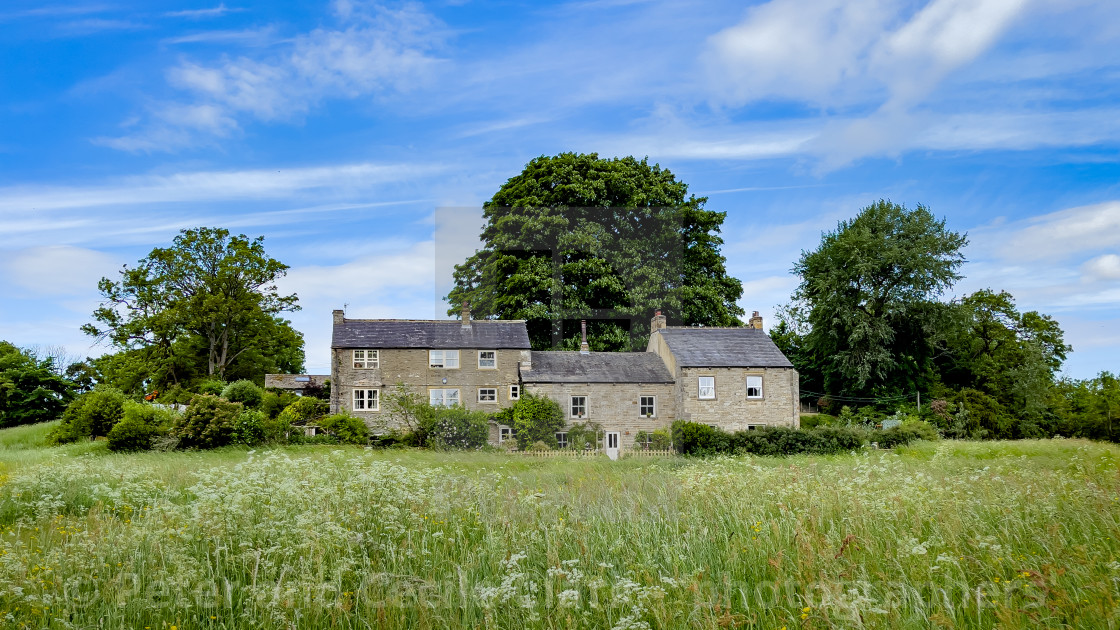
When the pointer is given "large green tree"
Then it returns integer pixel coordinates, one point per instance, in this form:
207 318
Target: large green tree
31 389
1011 356
576 236
869 297
207 306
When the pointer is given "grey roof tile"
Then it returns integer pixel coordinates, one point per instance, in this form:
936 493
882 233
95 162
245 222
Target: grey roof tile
596 367
723 347
408 333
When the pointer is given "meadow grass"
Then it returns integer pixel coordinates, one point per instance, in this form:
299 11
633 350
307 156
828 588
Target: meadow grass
948 534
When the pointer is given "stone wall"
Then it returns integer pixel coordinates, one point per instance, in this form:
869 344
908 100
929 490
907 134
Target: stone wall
410 367
731 410
613 405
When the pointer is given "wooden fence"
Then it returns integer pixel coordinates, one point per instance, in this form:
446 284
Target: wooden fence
571 453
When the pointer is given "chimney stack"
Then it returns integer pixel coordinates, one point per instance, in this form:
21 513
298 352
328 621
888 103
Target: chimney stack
583 347
466 314
339 316
756 320
658 322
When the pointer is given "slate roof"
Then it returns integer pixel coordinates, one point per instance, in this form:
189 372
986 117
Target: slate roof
417 333
723 347
597 367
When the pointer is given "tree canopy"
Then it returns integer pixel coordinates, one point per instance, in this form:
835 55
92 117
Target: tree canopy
207 306
575 236
31 388
868 296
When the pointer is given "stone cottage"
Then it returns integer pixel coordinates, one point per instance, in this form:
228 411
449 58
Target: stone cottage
473 363
731 378
624 392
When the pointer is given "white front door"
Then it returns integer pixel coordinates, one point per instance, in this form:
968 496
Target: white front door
612 444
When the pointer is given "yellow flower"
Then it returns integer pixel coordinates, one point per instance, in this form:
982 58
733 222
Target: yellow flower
804 616
806 609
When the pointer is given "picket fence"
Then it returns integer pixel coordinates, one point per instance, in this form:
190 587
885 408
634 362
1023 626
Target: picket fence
571 453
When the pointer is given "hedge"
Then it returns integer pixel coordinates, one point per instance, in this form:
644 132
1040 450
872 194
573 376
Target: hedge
692 438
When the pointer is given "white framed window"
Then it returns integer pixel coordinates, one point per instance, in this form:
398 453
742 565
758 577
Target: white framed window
754 387
562 439
446 359
578 406
488 395
706 387
366 400
504 434
647 406
514 392
443 397
755 427
487 359
366 359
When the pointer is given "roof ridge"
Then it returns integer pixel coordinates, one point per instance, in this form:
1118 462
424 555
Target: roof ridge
438 321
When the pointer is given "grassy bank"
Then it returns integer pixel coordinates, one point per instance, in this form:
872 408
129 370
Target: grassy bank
964 535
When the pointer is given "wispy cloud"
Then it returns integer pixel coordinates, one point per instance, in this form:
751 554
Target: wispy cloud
246 37
53 12
198 14
373 51
332 181
876 73
57 270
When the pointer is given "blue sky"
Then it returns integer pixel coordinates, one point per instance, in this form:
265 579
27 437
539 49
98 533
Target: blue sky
360 138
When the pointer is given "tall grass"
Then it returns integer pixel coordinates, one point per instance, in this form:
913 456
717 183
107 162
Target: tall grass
962 535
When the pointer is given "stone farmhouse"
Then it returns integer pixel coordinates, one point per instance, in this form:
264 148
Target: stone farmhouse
731 378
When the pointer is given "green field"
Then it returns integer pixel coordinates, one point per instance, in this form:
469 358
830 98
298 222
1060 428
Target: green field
950 534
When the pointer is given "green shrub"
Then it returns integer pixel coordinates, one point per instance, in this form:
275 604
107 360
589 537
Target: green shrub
132 434
583 436
249 428
659 440
539 446
274 401
303 410
452 428
211 387
159 417
347 428
907 432
245 392
91 414
536 419
208 422
693 438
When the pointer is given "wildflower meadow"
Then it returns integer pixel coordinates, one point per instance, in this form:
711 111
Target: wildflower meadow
949 534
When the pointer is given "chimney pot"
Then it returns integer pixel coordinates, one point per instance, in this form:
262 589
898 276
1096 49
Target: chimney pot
339 315
583 347
755 321
465 314
658 322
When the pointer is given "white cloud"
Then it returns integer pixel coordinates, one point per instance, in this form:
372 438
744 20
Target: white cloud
373 52
837 54
365 279
1106 267
58 270
1061 235
798 49
331 181
195 14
